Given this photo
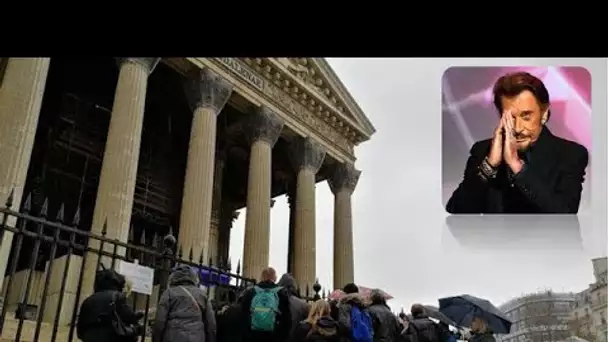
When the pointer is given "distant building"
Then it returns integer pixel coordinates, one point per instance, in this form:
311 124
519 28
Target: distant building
588 316
538 317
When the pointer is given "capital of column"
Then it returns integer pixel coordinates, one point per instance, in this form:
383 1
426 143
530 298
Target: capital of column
206 89
307 153
344 177
265 125
149 63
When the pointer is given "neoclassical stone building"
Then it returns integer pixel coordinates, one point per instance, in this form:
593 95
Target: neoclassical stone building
146 144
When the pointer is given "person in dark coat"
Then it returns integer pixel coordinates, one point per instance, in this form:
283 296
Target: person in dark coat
227 319
184 313
386 325
298 307
421 328
319 326
345 305
524 168
96 312
282 325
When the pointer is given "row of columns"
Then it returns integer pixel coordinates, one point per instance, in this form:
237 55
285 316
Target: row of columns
20 101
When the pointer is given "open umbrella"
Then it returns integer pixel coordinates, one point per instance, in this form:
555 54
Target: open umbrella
462 309
433 312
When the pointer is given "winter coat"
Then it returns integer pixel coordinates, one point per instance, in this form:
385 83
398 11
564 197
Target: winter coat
326 330
96 314
297 306
345 306
178 317
386 324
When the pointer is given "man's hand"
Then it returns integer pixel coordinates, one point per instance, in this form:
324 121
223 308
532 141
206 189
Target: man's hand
509 150
495 156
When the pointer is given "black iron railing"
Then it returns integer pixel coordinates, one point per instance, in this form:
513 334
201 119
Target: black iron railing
48 239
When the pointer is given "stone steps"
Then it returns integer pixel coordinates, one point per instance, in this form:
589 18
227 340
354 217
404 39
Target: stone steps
29 328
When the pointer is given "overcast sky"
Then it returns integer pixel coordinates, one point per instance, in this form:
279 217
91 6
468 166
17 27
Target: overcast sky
402 242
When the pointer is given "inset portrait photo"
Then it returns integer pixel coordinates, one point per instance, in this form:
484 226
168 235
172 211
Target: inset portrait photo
516 140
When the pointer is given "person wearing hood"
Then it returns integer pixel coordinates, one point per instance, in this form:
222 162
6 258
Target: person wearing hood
184 312
386 324
97 311
319 326
297 306
480 331
345 306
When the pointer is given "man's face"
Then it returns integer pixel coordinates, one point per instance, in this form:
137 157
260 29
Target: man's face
527 118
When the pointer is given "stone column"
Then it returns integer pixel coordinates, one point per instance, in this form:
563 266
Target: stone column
291 201
216 207
21 93
342 183
207 94
229 215
264 131
307 157
114 202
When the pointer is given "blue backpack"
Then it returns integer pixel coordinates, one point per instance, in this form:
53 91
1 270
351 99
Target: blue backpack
264 308
361 325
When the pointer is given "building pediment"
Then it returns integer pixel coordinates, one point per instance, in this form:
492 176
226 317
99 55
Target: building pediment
315 77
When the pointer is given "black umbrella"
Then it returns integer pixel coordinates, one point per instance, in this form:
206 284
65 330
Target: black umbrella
462 309
433 312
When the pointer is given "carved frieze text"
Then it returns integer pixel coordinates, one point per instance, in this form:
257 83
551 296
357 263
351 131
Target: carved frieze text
290 105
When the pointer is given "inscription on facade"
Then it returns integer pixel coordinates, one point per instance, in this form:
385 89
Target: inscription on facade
288 103
243 71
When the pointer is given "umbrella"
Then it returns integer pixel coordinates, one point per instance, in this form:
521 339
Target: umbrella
462 309
433 312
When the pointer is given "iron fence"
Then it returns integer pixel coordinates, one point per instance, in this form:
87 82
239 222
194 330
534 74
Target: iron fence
49 239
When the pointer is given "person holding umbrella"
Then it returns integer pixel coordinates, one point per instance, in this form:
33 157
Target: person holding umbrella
480 315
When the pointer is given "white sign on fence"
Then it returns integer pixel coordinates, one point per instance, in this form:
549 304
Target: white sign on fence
141 277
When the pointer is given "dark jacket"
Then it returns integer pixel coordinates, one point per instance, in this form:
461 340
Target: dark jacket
421 325
298 307
283 325
551 181
487 337
345 305
178 317
326 330
95 318
227 319
386 325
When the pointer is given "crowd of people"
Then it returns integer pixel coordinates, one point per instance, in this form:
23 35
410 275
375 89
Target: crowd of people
269 311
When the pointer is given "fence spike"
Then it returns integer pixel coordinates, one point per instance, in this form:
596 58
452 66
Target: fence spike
210 261
44 211
191 254
229 265
179 251
307 291
76 219
238 267
10 199
131 238
201 258
104 229
60 213
142 239
27 206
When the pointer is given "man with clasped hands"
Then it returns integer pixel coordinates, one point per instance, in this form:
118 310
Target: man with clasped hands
524 168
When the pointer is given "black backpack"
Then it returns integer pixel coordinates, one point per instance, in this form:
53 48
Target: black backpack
430 333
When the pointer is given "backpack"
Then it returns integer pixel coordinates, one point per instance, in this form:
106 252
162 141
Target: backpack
264 308
361 325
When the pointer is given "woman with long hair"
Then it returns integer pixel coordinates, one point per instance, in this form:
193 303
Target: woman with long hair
319 326
480 331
